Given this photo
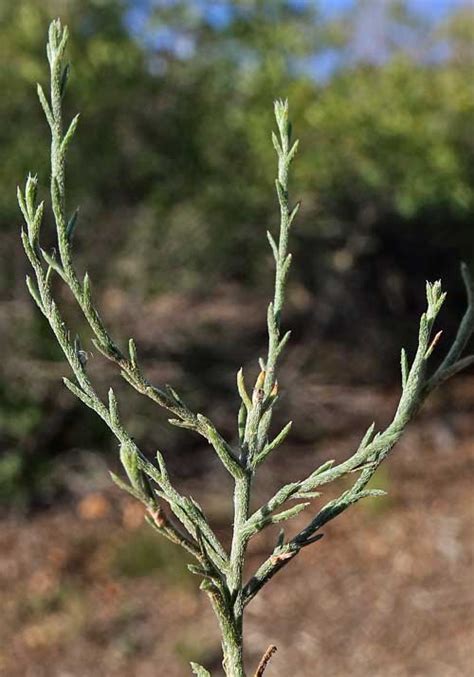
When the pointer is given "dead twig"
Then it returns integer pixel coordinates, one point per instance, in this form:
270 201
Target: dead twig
265 660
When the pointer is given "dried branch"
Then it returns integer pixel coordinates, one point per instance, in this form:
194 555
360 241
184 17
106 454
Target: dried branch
266 658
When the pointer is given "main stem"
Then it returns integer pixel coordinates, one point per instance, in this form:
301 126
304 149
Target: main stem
232 624
232 642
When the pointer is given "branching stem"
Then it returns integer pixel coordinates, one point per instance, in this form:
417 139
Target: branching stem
221 572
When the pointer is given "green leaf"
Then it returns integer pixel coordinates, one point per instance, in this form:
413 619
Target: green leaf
367 437
132 351
64 78
113 407
34 292
272 245
274 443
71 226
293 150
404 367
45 105
70 133
294 212
276 144
244 396
125 487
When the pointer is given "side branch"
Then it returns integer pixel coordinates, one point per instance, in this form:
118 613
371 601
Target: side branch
372 451
81 289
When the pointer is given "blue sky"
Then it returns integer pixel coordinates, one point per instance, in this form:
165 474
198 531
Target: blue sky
220 10
433 9
373 32
372 29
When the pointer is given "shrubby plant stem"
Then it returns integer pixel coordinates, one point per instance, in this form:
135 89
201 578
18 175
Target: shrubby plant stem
184 521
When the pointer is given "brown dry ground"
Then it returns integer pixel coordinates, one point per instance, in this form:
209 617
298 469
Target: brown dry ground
87 590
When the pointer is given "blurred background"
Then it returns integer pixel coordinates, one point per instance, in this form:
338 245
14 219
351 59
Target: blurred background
173 170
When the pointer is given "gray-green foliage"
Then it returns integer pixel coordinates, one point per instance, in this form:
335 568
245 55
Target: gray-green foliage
185 522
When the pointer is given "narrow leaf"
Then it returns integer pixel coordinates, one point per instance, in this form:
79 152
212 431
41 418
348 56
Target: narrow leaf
70 133
282 198
34 292
432 345
272 245
294 212
280 539
404 366
52 261
64 79
367 437
125 487
322 468
132 351
371 492
78 392
288 514
181 424
271 320
22 204
34 226
244 396
286 265
305 495
276 144
241 421
130 462
283 342
197 570
279 439
71 226
113 407
86 289
31 190
80 353
174 396
293 150
45 105
313 539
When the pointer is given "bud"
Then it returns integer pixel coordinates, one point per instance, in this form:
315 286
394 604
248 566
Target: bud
258 389
260 380
30 194
158 517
